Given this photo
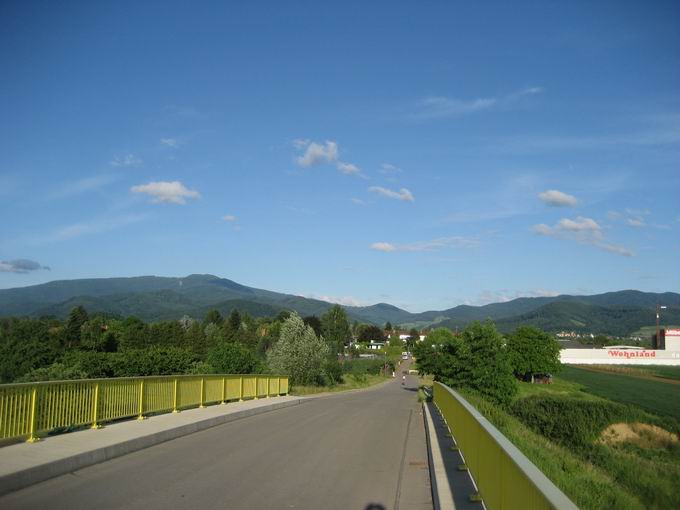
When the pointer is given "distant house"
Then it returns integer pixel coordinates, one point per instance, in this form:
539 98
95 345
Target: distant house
404 336
376 345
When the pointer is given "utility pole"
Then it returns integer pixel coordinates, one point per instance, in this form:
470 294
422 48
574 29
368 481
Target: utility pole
658 329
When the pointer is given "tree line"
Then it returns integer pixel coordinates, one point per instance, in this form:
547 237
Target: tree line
90 346
482 360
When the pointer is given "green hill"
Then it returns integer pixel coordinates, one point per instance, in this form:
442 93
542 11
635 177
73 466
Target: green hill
153 298
583 318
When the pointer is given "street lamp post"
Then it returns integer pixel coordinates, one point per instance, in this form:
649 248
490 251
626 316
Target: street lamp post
658 330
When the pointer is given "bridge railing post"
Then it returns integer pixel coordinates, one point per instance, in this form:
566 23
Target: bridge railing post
32 437
140 414
95 407
202 404
175 385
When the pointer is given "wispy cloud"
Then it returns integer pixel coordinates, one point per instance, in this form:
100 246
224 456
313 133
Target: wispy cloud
173 192
357 201
126 160
582 230
170 142
440 106
229 218
556 198
83 185
389 168
504 295
403 194
21 266
431 245
90 227
349 169
547 143
340 300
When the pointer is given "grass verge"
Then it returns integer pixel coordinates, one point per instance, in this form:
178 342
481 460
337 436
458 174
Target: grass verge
351 382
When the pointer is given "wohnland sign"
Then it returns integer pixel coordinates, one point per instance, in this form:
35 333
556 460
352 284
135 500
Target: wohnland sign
619 357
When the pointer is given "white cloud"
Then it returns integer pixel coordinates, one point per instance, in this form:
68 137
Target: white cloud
357 201
316 153
403 194
173 192
170 142
388 168
613 215
580 224
557 198
127 160
582 230
348 168
431 245
229 217
637 222
386 247
21 266
301 143
440 106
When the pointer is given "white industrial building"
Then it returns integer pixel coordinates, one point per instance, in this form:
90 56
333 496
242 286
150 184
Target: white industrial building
667 354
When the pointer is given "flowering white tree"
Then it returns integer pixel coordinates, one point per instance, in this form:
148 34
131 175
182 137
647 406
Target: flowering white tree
299 353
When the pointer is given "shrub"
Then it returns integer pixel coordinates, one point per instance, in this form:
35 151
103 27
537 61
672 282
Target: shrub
229 358
569 421
363 366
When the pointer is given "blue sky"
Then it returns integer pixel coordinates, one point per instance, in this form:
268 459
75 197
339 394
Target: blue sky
422 154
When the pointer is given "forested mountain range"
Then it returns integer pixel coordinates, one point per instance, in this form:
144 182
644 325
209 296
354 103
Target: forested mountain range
153 298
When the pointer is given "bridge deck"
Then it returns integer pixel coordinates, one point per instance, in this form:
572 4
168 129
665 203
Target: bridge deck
341 451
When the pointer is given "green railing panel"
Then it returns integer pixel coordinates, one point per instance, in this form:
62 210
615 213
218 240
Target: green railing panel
505 478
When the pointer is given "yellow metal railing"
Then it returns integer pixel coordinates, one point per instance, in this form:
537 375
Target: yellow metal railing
504 477
30 409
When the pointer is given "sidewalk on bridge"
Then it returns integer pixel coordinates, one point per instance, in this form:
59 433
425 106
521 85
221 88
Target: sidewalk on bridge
25 464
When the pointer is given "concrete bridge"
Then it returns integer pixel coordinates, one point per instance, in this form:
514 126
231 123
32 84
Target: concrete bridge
374 449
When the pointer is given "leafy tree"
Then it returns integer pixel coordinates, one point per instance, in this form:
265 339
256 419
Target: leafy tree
336 329
213 317
371 333
388 327
134 334
486 367
532 351
26 344
95 336
214 335
314 322
232 326
77 317
230 358
195 340
442 356
299 353
413 338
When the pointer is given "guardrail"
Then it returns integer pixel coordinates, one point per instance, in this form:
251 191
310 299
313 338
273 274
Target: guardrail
504 477
30 409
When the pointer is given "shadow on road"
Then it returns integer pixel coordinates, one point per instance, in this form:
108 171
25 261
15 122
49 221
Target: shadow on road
374 506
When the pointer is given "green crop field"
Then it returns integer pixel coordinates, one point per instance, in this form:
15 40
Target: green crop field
658 397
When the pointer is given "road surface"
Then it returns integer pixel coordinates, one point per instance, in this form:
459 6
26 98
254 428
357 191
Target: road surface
359 450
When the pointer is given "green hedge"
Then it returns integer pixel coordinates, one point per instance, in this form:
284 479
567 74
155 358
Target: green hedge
569 421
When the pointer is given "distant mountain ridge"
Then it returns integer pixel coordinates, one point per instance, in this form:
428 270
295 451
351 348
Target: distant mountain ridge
153 298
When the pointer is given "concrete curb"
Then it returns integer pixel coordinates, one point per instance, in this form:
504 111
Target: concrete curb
442 496
41 472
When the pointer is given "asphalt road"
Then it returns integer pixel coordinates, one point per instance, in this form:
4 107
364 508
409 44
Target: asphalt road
346 451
